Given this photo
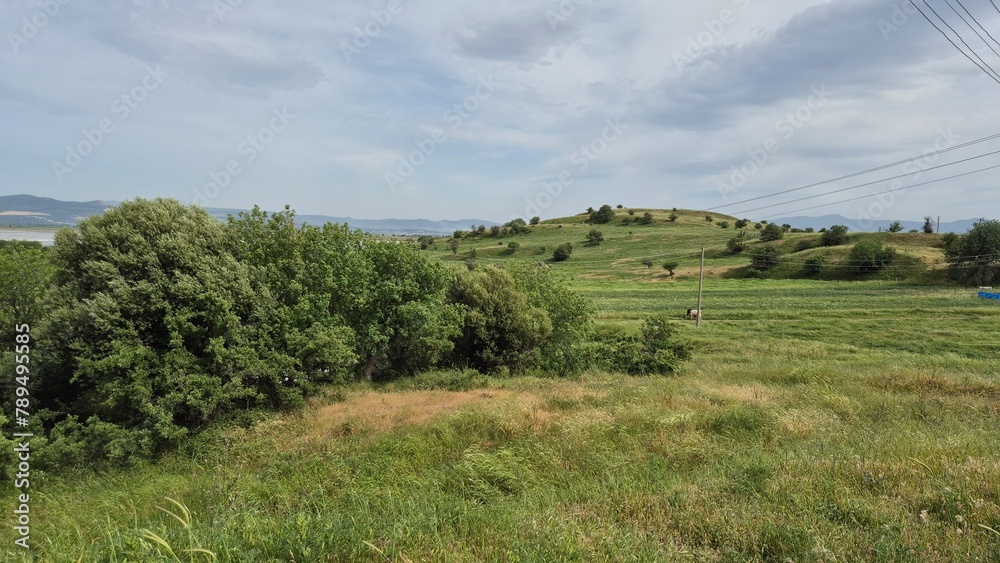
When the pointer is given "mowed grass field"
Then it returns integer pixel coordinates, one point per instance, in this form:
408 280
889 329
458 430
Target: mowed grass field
818 421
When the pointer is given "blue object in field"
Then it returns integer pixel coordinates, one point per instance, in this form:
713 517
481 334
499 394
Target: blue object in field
985 295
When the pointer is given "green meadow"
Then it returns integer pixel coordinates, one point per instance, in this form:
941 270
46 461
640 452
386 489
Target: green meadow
833 417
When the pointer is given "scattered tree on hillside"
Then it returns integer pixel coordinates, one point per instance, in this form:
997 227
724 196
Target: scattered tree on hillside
603 215
620 206
771 232
709 218
595 237
928 225
738 243
742 223
834 236
724 224
646 219
895 227
869 256
786 227
815 265
535 220
670 267
562 252
453 244
764 258
974 257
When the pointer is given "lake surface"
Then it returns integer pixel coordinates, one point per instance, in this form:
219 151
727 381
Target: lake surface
45 237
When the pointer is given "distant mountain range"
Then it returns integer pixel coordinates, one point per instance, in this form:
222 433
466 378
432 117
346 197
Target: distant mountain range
31 211
818 223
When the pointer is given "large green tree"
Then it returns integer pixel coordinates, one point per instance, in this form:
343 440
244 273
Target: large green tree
157 329
974 257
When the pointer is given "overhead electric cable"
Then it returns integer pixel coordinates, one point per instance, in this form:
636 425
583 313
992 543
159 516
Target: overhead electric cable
886 192
979 24
863 172
814 196
979 35
946 36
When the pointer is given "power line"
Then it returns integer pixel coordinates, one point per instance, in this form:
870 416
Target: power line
863 172
983 39
887 192
941 31
814 196
979 24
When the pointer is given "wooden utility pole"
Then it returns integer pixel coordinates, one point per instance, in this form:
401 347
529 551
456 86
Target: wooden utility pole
939 224
701 284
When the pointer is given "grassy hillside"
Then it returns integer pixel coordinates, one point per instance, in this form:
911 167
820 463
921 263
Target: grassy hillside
820 420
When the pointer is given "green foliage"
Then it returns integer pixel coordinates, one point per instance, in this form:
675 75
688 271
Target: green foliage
631 211
570 314
425 241
929 225
772 232
25 276
742 223
870 256
499 328
709 218
738 243
646 219
816 264
655 351
895 227
670 267
535 220
724 224
834 236
974 258
453 244
673 217
595 237
157 329
562 252
764 258
603 215
513 245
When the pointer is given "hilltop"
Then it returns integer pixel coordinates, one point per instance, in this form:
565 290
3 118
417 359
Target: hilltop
31 211
636 252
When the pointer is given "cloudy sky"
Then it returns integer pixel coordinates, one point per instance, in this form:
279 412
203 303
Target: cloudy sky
490 110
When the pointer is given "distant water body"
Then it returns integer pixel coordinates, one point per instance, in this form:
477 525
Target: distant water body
47 238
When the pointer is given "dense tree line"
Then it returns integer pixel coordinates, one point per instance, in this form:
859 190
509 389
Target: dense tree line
155 320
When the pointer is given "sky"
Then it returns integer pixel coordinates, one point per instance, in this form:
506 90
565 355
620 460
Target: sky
496 110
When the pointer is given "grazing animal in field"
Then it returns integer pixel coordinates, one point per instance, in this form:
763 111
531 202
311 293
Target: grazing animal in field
693 314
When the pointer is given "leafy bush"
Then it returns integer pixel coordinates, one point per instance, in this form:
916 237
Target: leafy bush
772 232
603 215
499 328
673 217
595 237
764 258
562 252
709 218
724 224
513 245
974 257
834 236
646 219
736 244
670 267
870 256
742 223
655 352
815 265
895 227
